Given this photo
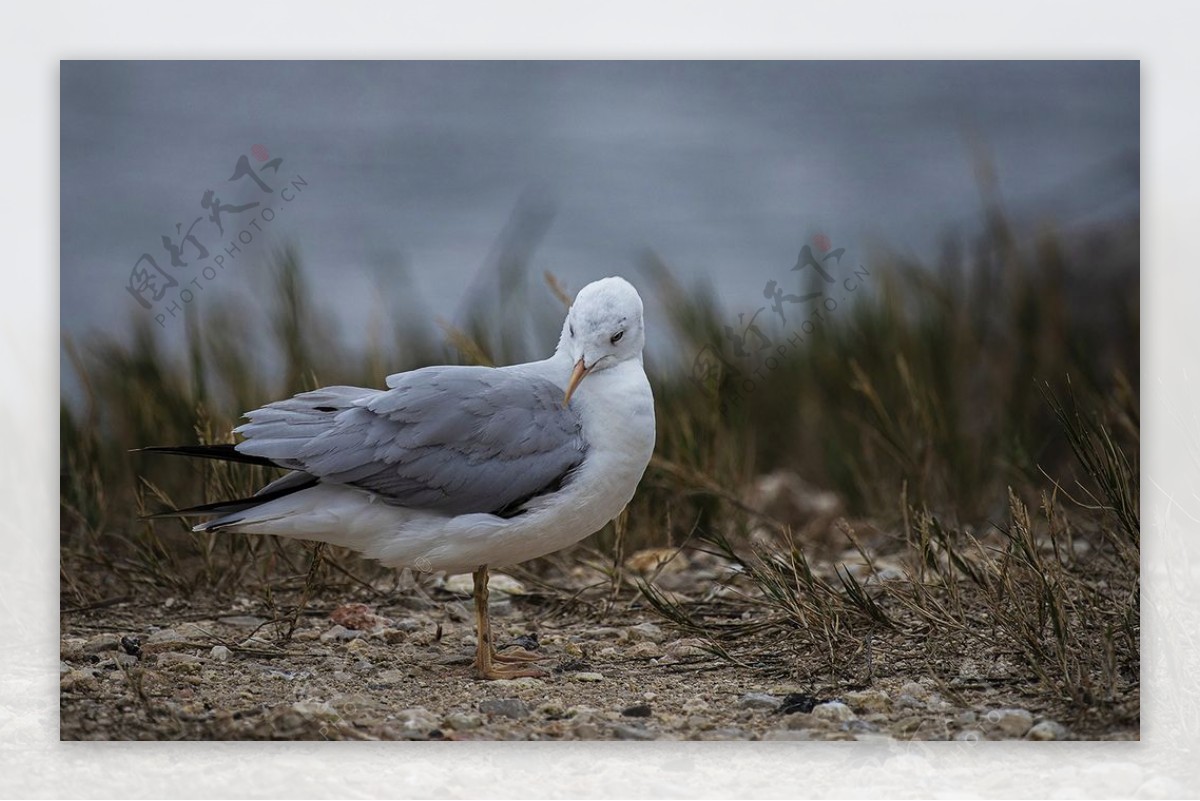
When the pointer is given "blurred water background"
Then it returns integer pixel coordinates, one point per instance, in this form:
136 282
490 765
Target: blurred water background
428 184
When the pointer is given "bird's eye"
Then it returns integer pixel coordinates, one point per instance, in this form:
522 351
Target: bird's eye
571 328
617 337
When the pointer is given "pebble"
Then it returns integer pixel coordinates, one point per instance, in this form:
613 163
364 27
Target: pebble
629 732
102 642
646 632
1009 722
915 689
587 676
80 679
639 711
358 616
505 707
463 721
645 650
416 722
833 711
759 701
869 700
1047 730
243 621
339 632
220 653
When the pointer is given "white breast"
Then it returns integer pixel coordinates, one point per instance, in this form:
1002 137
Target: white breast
617 410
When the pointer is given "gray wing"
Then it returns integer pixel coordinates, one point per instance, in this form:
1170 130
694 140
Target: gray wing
451 439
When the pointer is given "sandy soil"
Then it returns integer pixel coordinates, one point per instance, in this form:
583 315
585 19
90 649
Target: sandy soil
400 668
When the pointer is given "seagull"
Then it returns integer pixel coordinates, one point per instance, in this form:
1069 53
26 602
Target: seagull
459 469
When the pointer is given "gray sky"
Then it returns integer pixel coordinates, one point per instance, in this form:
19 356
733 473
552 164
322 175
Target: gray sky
724 168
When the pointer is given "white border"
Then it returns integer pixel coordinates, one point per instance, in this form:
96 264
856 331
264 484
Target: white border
33 762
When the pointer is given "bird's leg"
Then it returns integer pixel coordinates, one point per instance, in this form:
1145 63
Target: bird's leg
485 654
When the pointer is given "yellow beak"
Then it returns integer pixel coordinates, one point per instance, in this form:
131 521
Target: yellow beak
577 375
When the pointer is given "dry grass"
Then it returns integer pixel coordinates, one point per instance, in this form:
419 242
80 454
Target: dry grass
930 405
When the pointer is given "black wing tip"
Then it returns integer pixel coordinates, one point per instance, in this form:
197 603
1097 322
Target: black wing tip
223 452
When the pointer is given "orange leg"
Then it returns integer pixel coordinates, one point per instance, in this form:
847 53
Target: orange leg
485 654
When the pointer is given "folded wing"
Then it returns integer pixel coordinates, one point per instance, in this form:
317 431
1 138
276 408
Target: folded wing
455 440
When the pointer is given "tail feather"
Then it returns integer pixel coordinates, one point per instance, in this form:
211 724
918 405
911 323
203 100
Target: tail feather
223 452
292 482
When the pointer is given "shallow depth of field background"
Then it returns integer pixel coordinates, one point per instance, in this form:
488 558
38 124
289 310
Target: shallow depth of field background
968 410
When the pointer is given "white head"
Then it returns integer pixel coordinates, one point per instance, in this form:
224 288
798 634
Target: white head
603 328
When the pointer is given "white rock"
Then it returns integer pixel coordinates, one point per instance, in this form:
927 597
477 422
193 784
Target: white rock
416 721
220 653
759 701
586 676
339 632
834 711
1009 722
1047 730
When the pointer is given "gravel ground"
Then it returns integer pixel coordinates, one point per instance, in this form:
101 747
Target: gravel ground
400 668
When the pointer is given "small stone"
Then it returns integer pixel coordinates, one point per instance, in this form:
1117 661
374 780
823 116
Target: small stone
915 689
802 720
644 650
869 700
523 681
339 632
220 653
505 707
317 710
1047 730
639 711
243 621
759 701
587 676
81 679
357 617
585 729
416 722
833 711
102 642
463 721
628 732
646 632
1009 722
125 660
